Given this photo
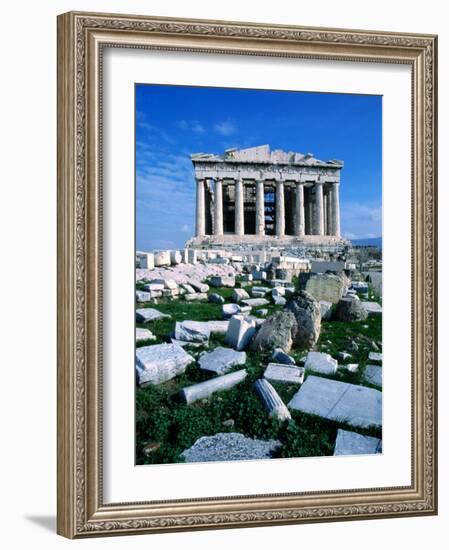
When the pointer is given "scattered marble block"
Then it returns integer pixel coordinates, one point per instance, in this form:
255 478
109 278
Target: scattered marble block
357 406
142 296
161 258
239 294
271 401
262 312
192 256
229 446
216 299
221 360
203 390
289 374
279 301
161 362
199 286
350 367
372 308
321 363
352 443
147 314
240 332
220 281
255 302
197 297
143 334
259 291
373 375
278 291
192 331
259 275
189 289
154 287
145 260
230 309
175 257
280 283
279 356
375 357
218 327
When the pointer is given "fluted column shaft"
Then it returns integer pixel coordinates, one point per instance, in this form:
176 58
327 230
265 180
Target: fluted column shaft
218 207
319 209
239 208
335 201
299 210
200 208
260 208
280 209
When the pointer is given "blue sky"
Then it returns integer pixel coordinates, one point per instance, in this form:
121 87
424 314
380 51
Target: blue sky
174 121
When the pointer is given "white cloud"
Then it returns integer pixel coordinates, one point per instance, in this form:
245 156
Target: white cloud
192 125
361 221
225 128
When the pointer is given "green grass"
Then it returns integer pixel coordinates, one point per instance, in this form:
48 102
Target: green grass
174 426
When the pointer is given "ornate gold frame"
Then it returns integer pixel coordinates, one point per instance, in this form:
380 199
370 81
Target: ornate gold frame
81 37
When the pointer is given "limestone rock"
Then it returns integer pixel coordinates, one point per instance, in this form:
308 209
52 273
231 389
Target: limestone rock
199 287
143 296
240 332
279 356
271 401
307 313
289 374
229 446
327 287
216 299
221 360
147 314
221 281
321 363
326 310
161 258
143 334
352 443
161 362
239 294
218 327
276 332
372 308
189 289
279 301
192 331
197 297
255 302
230 309
348 309
203 390
153 287
357 406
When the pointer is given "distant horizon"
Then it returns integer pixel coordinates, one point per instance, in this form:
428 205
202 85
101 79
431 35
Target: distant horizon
173 122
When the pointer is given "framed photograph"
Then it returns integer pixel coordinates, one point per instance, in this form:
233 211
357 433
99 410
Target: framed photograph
246 274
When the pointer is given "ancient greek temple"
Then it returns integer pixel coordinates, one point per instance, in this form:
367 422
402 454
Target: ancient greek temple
256 195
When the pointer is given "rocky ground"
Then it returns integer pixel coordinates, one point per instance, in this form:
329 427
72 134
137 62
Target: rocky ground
232 365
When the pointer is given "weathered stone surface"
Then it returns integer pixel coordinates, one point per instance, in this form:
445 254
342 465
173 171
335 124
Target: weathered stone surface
262 312
280 283
240 332
279 301
352 443
259 291
218 327
350 367
327 287
349 309
147 314
189 289
197 297
372 308
143 296
375 357
271 401
321 363
229 446
255 302
373 375
357 406
276 332
259 275
143 334
278 291
153 287
308 319
221 281
221 360
239 294
326 310
145 260
343 355
279 356
203 390
283 273
175 257
230 309
192 331
290 374
199 287
161 362
216 299
161 257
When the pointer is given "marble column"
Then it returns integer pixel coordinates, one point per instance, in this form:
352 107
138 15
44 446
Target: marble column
299 210
200 208
260 208
319 210
218 207
280 209
325 211
310 207
239 208
335 202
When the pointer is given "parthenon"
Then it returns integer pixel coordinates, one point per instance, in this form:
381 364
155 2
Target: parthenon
259 196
